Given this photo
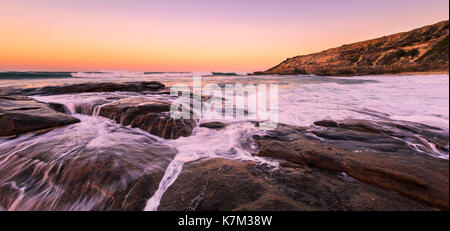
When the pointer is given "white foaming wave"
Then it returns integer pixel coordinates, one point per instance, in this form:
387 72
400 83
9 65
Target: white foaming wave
206 143
128 74
411 98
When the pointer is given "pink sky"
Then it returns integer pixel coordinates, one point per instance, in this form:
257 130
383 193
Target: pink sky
195 35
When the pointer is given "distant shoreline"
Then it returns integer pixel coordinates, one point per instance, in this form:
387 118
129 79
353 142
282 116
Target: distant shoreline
351 76
422 50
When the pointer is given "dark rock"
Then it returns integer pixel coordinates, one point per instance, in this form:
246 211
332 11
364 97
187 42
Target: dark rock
88 177
151 86
220 184
59 108
383 131
326 123
149 115
22 114
213 125
376 153
9 193
89 108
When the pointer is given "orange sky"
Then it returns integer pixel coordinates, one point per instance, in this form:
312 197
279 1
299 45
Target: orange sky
196 35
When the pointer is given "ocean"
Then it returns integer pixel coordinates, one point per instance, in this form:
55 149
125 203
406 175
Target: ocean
302 100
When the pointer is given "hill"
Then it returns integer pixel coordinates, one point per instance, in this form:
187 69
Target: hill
425 49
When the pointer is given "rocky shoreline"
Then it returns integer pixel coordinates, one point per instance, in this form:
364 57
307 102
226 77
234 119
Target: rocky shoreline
424 49
19 114
330 165
346 165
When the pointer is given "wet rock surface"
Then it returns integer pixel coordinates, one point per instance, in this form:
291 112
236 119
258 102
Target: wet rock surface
83 170
20 114
331 165
380 154
152 86
220 184
213 125
339 165
150 115
59 108
386 135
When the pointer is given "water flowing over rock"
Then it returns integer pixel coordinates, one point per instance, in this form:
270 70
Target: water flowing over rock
339 165
143 112
220 184
149 115
59 108
93 165
112 160
213 125
390 155
20 114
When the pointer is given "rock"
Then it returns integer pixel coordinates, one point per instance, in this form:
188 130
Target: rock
326 123
59 108
9 193
60 174
149 115
90 107
376 153
151 86
354 130
223 185
421 50
213 125
19 115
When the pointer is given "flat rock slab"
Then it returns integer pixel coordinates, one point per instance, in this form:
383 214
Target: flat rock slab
375 153
143 86
19 115
224 185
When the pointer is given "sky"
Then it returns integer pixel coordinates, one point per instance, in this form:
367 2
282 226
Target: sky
193 35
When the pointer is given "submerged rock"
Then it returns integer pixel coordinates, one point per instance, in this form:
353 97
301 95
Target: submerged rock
76 169
220 184
213 125
59 108
20 114
103 178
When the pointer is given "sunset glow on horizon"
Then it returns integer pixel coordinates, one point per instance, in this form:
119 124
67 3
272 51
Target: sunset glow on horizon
196 35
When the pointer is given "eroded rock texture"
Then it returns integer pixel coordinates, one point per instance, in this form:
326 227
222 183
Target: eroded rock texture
334 165
149 115
220 184
78 169
20 114
143 86
420 50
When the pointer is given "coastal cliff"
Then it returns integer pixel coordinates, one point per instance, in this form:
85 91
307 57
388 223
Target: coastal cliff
424 49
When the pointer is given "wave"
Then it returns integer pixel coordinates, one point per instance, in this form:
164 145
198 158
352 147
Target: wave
108 74
225 74
127 74
33 75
